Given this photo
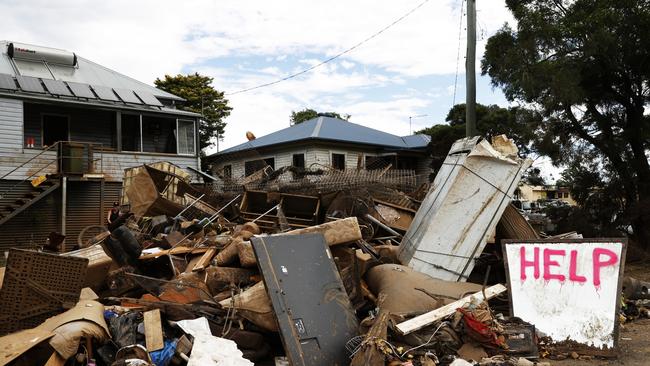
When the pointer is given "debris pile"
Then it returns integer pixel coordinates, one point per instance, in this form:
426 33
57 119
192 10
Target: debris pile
331 268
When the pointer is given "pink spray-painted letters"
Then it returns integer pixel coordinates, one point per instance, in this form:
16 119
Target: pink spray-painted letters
550 264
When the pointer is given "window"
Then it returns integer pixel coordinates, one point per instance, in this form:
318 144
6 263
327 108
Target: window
227 171
130 127
55 128
299 161
186 137
378 162
338 161
252 166
159 134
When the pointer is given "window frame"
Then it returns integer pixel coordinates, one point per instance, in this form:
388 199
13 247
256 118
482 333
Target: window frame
122 114
345 158
223 171
304 159
194 147
264 158
43 115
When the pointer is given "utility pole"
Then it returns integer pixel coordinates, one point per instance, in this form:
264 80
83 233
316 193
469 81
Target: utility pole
470 71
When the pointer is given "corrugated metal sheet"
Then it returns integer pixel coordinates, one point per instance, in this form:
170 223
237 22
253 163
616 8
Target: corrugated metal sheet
11 125
88 72
332 129
31 227
462 208
85 208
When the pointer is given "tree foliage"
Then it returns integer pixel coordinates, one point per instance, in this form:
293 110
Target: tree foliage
491 120
308 113
584 65
201 97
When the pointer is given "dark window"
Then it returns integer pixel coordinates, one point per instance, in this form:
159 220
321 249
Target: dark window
378 162
227 171
299 160
338 161
158 135
252 166
130 132
406 163
55 128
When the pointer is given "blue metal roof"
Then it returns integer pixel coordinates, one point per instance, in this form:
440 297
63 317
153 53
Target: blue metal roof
332 129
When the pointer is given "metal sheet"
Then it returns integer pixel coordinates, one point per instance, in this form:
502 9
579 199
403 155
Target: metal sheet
81 90
7 82
313 310
105 93
462 208
57 87
30 84
38 286
127 96
148 98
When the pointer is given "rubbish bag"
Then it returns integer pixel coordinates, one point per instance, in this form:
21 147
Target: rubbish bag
123 328
163 356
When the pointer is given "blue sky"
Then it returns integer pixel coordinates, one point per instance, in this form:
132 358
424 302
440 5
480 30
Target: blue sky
407 70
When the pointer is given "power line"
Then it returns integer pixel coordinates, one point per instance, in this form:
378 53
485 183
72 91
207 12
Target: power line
460 32
333 57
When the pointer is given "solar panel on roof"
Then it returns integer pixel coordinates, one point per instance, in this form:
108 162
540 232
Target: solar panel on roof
105 93
81 90
7 82
56 87
127 96
30 84
148 98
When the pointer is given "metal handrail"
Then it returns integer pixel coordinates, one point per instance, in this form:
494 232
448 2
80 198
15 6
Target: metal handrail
32 158
58 159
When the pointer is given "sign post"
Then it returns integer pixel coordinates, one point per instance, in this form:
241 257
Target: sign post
569 289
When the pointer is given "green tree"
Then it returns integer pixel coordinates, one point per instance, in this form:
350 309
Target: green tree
491 120
308 113
201 97
584 65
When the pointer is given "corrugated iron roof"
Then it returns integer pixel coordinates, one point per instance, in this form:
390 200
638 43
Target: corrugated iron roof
81 82
332 129
86 72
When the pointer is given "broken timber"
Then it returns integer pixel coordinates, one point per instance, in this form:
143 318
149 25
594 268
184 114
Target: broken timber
433 316
335 232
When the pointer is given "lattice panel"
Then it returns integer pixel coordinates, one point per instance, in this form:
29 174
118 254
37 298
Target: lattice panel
37 286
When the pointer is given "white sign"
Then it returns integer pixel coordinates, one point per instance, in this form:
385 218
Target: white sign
568 289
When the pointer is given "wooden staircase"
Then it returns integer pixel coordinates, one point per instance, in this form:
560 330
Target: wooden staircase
13 208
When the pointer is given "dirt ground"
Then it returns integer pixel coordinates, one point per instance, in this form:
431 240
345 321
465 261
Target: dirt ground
635 336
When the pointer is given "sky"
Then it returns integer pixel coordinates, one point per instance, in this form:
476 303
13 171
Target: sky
407 70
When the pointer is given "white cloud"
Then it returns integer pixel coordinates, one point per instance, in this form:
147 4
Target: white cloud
149 38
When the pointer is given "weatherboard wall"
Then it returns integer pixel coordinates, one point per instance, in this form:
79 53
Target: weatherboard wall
17 123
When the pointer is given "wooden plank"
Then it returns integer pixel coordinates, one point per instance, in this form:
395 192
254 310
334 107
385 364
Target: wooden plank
177 250
335 232
433 316
205 260
55 360
153 330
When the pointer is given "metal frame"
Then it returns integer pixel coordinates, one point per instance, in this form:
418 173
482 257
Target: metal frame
624 242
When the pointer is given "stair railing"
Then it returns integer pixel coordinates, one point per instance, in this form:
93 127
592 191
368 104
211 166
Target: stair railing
58 159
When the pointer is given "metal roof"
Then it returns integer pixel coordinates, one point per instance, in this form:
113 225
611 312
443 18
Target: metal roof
332 129
86 72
